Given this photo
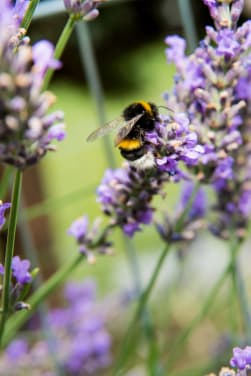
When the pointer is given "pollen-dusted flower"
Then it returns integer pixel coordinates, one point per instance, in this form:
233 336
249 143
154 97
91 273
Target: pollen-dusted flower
83 9
212 86
3 207
89 239
26 130
173 141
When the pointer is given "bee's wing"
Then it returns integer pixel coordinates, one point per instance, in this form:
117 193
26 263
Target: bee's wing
126 129
106 128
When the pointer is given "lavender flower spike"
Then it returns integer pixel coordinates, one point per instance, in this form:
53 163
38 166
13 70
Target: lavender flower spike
125 195
212 86
25 127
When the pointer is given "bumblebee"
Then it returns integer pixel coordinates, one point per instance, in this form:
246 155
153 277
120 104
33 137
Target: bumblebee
138 118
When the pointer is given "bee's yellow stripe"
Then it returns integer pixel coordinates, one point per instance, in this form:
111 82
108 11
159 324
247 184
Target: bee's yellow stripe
128 144
146 106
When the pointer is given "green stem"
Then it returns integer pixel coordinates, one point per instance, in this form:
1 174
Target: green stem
92 74
63 39
140 308
5 180
29 13
179 344
146 320
233 300
10 248
15 322
129 336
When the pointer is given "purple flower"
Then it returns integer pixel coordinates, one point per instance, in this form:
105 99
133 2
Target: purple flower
244 204
212 86
83 291
199 205
43 57
218 12
83 333
20 269
89 239
81 342
126 194
174 141
56 132
243 87
17 349
241 358
176 48
19 10
3 207
79 228
1 269
227 45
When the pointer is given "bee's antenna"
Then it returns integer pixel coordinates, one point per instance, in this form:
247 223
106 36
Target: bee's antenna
166 108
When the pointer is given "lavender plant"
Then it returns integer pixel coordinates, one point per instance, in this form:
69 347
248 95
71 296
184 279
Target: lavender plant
211 87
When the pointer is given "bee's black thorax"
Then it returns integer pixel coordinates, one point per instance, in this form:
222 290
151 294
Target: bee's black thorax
150 111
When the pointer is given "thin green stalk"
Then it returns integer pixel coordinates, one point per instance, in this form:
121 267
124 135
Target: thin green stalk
129 336
10 249
29 13
92 74
233 300
16 321
146 320
179 344
5 181
239 295
63 39
31 253
187 18
127 341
